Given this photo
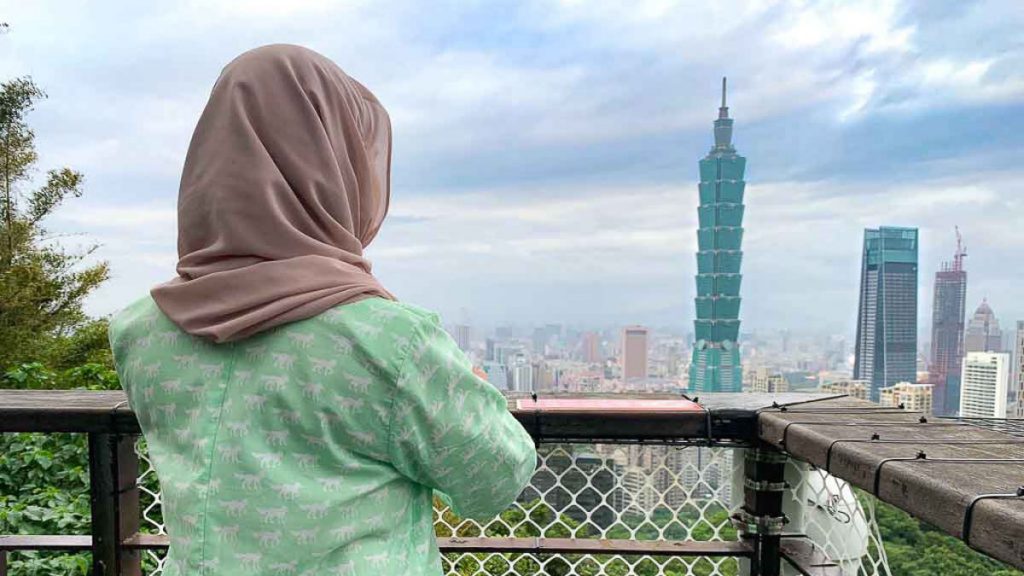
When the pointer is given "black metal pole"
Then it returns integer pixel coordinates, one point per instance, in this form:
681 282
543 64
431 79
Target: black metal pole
113 467
761 519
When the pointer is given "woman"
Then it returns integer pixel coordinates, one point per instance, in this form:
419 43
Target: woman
299 417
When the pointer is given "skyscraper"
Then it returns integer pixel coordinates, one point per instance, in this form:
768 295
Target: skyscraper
634 352
983 333
522 375
1018 371
716 356
983 385
948 332
461 334
887 316
591 347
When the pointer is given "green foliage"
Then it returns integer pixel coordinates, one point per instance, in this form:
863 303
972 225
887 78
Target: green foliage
46 341
44 489
917 549
42 285
36 376
44 478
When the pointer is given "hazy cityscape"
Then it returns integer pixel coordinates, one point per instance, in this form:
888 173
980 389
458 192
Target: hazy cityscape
969 367
573 358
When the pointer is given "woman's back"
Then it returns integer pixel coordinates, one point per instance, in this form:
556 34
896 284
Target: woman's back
313 447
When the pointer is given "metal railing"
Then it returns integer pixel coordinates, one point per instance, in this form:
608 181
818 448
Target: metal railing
645 494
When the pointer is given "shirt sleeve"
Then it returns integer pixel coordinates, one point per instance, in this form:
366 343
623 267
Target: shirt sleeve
452 431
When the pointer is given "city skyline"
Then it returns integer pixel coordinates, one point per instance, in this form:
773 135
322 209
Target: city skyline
551 179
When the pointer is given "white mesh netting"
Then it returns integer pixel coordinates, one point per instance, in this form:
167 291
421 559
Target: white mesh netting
838 519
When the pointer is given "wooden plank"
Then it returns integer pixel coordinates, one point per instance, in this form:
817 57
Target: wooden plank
934 491
129 515
102 458
66 411
808 559
606 406
113 469
147 541
733 416
11 542
588 546
447 545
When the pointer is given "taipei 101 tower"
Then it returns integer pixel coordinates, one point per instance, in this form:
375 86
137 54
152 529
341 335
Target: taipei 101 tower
716 355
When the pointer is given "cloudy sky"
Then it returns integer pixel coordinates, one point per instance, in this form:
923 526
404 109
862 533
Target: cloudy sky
545 160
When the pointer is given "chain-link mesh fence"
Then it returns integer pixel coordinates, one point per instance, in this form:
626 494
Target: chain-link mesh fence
152 508
616 492
633 492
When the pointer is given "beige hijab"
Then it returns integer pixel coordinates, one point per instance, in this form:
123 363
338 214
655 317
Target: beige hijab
286 180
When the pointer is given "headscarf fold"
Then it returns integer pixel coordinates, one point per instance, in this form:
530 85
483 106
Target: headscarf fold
286 181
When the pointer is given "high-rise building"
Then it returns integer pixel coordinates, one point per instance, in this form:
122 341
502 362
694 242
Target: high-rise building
489 350
545 336
461 334
634 352
716 355
913 397
852 388
886 351
983 385
591 348
522 375
983 333
505 352
497 375
768 381
1018 371
948 332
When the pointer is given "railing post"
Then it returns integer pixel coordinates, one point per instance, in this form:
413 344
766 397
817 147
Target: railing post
3 563
761 518
113 470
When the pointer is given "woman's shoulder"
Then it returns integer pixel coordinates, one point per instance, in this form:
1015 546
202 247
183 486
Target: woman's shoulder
384 327
142 314
385 314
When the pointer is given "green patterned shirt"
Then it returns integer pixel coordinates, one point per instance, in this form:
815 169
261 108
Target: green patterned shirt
314 448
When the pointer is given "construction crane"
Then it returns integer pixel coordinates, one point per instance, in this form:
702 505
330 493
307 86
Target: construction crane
961 251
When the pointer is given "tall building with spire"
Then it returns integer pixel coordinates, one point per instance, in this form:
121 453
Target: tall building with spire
716 355
948 310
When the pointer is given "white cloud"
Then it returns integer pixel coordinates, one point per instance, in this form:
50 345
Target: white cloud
818 26
561 91
145 220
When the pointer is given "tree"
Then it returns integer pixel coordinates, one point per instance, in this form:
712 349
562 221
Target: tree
42 285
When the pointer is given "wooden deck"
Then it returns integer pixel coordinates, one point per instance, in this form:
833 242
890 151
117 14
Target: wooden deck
932 468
